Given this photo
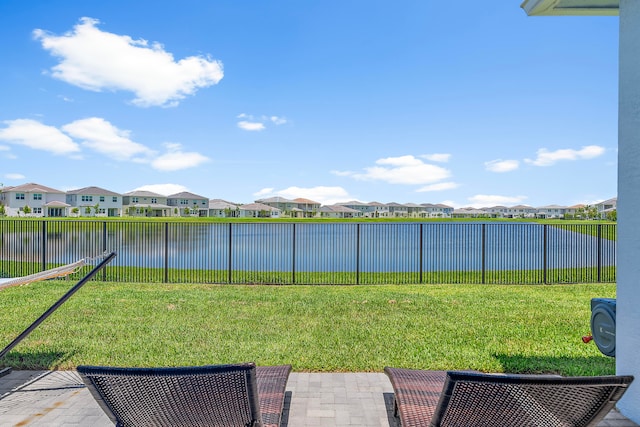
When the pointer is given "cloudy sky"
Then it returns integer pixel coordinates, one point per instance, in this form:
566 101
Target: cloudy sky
423 101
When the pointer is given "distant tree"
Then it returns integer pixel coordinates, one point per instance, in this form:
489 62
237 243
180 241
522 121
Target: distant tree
26 210
3 212
187 211
612 216
96 208
75 211
87 210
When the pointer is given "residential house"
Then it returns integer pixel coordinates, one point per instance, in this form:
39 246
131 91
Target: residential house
606 207
364 208
437 211
188 204
396 210
338 211
145 203
285 206
469 213
379 210
258 210
551 211
520 211
34 200
309 208
415 210
94 201
219 208
496 211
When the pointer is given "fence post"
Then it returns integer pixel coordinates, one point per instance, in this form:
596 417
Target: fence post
421 255
357 254
230 255
104 248
599 253
166 252
484 253
44 245
293 255
545 254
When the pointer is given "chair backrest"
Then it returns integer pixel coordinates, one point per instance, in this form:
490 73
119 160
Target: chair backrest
526 400
220 395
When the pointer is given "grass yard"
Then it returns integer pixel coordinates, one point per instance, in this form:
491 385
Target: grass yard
495 328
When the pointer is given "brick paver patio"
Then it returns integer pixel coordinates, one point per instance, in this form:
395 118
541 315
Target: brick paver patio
59 398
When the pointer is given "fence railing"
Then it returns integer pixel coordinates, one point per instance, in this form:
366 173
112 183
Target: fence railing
317 253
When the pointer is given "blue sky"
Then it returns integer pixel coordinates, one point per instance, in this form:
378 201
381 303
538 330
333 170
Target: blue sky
421 101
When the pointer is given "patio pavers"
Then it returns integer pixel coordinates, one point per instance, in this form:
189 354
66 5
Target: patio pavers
59 398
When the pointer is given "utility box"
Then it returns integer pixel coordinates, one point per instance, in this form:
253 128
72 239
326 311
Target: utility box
603 324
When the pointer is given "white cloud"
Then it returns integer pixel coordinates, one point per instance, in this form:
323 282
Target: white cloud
100 135
278 120
97 60
442 186
548 158
321 194
176 159
500 165
486 200
251 126
441 158
401 170
451 203
14 176
4 148
35 135
251 123
164 189
342 173
264 192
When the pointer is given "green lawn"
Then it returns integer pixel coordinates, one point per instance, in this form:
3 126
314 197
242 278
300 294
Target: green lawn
526 329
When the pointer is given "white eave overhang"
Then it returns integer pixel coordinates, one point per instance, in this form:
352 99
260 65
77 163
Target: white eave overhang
571 7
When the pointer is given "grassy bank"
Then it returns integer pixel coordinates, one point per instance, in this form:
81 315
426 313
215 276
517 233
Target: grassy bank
315 328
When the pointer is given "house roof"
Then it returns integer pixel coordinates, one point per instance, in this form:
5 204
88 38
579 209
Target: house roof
221 204
352 203
571 7
338 208
552 207
258 207
32 187
186 195
307 201
274 200
56 204
94 191
143 194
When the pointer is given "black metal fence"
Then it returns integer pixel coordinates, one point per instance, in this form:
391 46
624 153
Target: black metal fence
317 253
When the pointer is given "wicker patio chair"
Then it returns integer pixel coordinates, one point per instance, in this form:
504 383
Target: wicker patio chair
463 399
216 395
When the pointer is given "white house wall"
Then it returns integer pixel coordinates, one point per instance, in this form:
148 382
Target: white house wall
628 273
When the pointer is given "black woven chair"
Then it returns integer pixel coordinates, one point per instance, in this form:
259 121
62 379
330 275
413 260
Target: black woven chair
222 395
462 399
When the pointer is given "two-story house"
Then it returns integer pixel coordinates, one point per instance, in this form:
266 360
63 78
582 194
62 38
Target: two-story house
145 203
94 201
219 208
188 204
34 200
